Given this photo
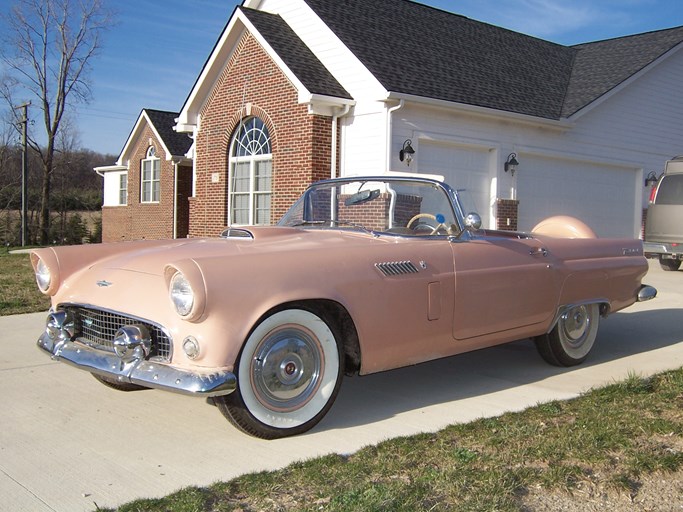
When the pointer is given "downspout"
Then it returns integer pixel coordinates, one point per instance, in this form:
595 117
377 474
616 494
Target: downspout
335 117
175 200
387 166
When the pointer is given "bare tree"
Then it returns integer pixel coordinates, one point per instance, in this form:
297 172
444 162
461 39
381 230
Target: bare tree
47 51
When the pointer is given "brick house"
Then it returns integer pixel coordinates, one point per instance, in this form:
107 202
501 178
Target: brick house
146 192
299 90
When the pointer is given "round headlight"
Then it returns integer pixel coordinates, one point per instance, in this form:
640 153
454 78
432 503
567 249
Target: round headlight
43 277
181 294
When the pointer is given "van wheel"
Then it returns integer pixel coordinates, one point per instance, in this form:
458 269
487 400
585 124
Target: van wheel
670 265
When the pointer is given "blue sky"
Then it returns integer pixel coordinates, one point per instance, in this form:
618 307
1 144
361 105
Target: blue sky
153 56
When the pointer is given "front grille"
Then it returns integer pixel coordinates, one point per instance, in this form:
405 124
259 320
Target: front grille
97 328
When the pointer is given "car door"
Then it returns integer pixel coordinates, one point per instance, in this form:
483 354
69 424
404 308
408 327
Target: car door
401 296
502 283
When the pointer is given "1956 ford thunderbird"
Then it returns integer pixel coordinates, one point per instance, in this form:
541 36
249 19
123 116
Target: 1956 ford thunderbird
361 275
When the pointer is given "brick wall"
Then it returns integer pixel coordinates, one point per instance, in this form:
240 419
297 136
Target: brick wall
144 220
116 222
507 214
252 85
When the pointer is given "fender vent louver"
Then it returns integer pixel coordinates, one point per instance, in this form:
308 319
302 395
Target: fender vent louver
396 268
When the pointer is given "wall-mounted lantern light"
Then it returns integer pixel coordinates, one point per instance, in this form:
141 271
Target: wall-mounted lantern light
511 163
406 153
651 179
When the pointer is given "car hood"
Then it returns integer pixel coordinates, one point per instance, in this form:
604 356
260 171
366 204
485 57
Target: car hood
152 257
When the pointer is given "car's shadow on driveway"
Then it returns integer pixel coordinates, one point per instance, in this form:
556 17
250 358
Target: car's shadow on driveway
470 380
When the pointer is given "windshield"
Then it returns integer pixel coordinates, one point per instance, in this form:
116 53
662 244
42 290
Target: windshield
401 207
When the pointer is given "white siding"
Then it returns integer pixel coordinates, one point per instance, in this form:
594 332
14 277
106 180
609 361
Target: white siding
364 144
601 196
470 175
112 182
645 116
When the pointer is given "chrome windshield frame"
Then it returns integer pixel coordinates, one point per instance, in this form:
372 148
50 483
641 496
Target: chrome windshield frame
451 193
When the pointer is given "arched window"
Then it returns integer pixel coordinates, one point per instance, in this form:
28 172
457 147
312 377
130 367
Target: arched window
251 171
149 181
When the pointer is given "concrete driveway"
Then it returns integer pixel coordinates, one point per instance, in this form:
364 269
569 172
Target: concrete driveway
68 443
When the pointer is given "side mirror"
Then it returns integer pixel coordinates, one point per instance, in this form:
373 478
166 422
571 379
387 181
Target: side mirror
472 221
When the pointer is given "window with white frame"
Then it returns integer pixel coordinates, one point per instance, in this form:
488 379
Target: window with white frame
123 189
251 173
151 170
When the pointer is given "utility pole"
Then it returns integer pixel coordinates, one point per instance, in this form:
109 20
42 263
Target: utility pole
24 174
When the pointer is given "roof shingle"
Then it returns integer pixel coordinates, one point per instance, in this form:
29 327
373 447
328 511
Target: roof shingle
295 54
177 143
419 50
603 65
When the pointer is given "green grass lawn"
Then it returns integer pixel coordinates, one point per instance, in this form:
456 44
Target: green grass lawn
607 440
18 290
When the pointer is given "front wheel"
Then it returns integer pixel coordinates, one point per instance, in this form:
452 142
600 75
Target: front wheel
572 338
118 386
288 375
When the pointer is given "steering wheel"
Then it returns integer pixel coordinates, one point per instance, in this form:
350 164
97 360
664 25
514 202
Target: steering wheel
428 216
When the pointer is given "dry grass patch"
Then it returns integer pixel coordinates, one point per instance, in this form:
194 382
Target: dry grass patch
18 290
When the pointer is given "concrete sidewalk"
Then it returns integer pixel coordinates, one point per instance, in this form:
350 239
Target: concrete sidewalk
68 443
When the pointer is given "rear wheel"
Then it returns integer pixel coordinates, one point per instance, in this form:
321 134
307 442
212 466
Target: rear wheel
572 338
670 265
288 375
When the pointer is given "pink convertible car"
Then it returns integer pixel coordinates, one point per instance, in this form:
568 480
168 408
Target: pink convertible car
362 275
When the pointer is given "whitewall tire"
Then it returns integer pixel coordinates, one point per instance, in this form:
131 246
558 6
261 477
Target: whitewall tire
572 338
288 376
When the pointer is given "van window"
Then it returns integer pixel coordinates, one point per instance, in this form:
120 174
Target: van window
670 190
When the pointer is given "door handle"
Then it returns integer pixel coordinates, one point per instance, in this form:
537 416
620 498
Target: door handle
539 251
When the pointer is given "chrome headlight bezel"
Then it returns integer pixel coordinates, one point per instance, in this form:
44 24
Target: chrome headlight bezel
186 289
181 294
43 275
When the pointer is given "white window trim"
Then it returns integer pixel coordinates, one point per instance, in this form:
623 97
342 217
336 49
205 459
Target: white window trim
252 193
123 191
152 159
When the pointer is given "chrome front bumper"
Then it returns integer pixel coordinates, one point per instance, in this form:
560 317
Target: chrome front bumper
138 371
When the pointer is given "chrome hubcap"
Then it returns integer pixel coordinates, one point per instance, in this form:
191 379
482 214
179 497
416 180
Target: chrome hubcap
575 325
287 367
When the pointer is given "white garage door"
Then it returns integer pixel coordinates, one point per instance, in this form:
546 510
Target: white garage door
464 168
601 196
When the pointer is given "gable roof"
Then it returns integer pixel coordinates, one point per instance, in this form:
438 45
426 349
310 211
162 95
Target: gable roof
419 50
177 144
601 66
315 85
295 54
161 122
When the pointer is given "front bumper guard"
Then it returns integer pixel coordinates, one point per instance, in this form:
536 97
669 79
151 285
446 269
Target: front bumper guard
138 371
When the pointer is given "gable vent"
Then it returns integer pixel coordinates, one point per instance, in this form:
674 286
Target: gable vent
396 268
